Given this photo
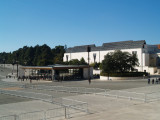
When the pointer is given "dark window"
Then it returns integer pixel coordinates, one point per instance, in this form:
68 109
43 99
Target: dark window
94 57
67 58
134 52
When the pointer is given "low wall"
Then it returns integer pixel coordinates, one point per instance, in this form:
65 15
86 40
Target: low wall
103 78
96 71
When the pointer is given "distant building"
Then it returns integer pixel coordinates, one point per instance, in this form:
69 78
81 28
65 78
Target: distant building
148 55
59 72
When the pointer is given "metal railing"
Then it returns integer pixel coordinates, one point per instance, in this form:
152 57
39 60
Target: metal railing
68 105
7 84
10 117
79 90
95 91
72 106
38 115
61 112
126 94
32 95
153 96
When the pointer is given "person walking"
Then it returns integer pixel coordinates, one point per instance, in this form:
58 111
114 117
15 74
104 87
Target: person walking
156 80
149 80
152 81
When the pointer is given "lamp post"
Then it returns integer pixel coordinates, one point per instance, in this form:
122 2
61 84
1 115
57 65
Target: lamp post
4 62
17 68
13 62
17 63
88 50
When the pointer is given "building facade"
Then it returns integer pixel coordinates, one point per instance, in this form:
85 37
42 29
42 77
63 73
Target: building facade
148 55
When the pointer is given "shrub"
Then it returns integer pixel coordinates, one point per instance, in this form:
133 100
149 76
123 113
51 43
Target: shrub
125 74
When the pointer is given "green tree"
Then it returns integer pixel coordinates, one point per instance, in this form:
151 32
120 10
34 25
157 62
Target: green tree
82 61
95 65
38 55
76 62
119 61
58 53
46 56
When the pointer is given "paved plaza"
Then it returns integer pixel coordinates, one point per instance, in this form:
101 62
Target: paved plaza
100 107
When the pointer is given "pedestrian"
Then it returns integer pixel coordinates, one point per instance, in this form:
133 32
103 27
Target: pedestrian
152 81
156 80
89 80
149 80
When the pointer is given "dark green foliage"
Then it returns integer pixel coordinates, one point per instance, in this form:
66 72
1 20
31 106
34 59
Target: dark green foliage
76 62
33 56
83 62
119 61
95 65
58 53
126 74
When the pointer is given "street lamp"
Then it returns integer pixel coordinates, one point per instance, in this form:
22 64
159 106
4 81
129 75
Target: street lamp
13 62
4 62
88 50
17 63
17 68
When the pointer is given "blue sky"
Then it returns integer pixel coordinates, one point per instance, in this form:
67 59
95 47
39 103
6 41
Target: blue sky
77 22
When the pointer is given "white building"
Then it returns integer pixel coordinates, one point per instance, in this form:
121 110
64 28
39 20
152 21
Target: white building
148 55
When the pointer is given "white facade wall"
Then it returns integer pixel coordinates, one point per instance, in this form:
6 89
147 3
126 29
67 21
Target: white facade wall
96 71
145 59
100 55
142 55
85 72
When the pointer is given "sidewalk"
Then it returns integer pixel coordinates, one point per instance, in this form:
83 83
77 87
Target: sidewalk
25 81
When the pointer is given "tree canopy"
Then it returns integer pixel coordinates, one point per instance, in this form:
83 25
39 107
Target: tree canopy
37 55
76 62
119 61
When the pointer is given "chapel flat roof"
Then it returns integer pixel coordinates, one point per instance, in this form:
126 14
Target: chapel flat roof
50 67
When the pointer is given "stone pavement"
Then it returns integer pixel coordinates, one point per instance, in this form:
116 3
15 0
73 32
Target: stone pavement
24 107
102 108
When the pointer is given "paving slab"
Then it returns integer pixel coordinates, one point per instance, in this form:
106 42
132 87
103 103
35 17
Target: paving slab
116 109
24 107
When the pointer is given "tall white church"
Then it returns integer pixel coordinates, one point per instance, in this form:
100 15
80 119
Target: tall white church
148 55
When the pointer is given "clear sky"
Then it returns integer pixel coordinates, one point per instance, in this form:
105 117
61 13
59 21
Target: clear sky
77 22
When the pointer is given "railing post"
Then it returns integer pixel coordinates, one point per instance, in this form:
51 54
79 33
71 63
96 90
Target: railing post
77 90
16 117
94 92
87 111
145 97
66 112
105 94
45 116
117 94
130 98
52 99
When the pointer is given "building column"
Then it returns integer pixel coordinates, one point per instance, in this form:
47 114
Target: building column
53 75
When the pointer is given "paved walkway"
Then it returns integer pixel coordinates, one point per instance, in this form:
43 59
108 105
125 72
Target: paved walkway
24 107
107 108
100 107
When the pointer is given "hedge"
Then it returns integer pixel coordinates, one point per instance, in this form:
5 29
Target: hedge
126 74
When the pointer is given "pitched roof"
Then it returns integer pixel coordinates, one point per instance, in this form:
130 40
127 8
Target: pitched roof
109 46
